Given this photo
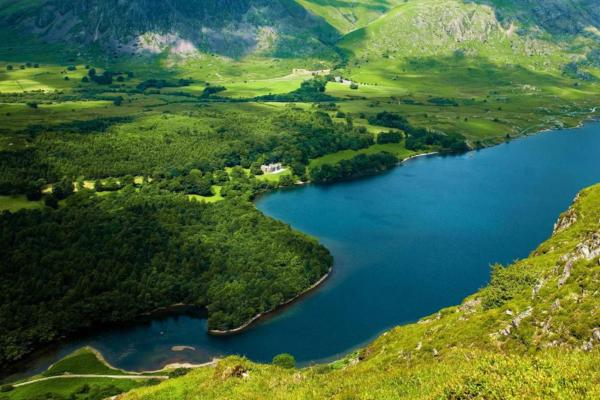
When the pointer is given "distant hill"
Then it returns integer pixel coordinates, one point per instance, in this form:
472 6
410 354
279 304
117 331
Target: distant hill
441 27
233 28
552 16
347 16
300 28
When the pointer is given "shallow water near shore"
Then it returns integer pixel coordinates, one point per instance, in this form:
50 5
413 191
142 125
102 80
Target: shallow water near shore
406 243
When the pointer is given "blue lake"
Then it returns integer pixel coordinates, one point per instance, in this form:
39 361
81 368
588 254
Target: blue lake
406 243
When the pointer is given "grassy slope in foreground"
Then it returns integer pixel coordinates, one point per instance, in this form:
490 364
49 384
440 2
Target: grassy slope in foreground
533 332
81 375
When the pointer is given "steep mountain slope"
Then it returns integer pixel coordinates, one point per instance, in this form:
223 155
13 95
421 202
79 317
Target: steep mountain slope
349 15
533 332
553 16
444 28
232 28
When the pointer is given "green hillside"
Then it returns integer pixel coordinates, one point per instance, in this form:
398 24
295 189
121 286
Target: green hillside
347 16
533 332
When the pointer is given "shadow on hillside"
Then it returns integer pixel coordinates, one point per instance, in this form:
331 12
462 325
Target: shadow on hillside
553 16
230 28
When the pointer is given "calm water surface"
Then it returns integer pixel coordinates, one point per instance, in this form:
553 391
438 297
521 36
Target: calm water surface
406 244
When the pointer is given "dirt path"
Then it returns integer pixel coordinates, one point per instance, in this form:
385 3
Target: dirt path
70 376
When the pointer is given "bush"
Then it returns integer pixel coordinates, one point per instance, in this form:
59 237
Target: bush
284 361
162 83
354 86
6 388
63 189
360 165
389 137
210 90
255 169
51 201
286 180
85 388
179 372
32 104
33 191
389 120
9 68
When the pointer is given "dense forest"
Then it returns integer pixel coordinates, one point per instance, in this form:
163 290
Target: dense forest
103 259
86 259
168 146
360 165
421 138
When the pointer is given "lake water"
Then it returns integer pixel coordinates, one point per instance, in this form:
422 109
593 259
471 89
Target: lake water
405 243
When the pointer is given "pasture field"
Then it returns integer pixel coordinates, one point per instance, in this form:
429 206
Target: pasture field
397 149
18 202
80 388
85 361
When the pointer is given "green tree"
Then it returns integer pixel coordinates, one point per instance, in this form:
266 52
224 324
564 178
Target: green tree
51 201
255 169
286 180
63 188
284 360
34 191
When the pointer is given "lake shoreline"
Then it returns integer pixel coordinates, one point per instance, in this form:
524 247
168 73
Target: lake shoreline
242 328
201 312
258 317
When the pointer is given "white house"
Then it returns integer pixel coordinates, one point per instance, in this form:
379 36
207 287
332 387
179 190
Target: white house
271 168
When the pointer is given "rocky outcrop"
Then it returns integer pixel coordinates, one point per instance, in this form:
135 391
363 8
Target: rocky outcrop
516 322
588 249
228 27
553 16
566 219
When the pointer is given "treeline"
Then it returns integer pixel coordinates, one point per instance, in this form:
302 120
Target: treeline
360 165
312 90
107 259
170 146
96 125
163 83
421 138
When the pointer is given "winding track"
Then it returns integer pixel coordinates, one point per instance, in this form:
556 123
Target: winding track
69 376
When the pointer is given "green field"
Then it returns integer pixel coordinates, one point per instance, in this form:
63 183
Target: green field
18 202
55 381
397 149
65 388
84 361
